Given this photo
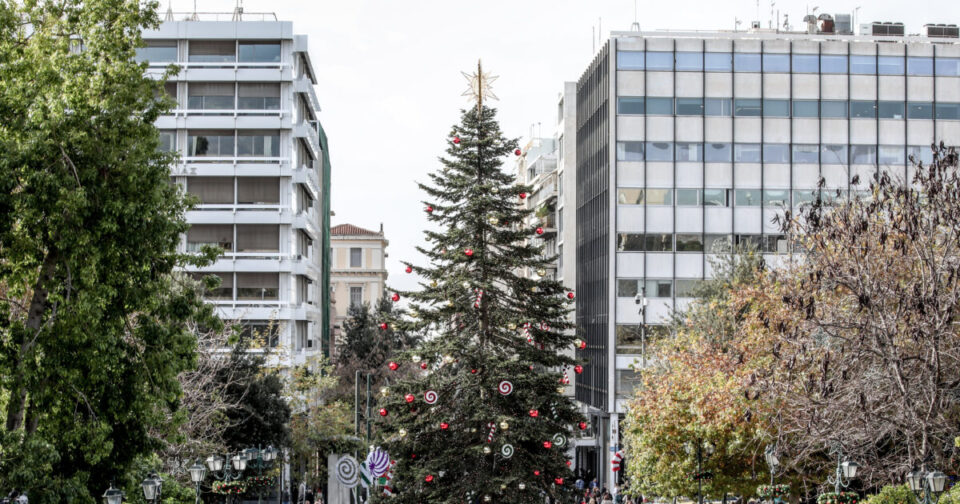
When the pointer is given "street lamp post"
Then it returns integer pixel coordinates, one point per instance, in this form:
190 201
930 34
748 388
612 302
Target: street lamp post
197 473
929 485
113 496
773 462
222 469
846 471
702 450
260 458
152 487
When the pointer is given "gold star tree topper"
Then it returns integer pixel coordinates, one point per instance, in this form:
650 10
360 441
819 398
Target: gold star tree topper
480 86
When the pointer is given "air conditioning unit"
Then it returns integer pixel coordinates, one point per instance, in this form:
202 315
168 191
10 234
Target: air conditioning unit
942 30
887 29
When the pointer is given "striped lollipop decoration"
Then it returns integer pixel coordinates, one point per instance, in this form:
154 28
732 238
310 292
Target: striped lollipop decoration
430 397
476 304
559 439
506 451
378 461
505 387
348 471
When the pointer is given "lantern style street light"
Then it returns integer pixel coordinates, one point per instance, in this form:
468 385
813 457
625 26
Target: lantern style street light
773 462
152 487
927 485
702 450
846 471
197 473
113 496
260 458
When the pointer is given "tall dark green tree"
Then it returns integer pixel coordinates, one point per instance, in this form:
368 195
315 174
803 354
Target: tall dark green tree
494 340
93 324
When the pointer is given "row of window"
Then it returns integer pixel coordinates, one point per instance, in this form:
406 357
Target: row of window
725 152
698 242
720 197
211 51
785 63
235 190
244 286
662 288
244 238
225 143
231 96
632 335
757 107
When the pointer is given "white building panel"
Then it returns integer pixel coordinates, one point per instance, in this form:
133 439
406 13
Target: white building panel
919 88
833 87
689 219
659 83
863 87
948 89
630 264
865 174
689 175
746 175
833 131
630 127
659 219
776 176
630 218
689 84
630 173
689 129
630 83
805 176
806 86
746 220
891 88
719 85
806 130
892 131
747 129
689 265
659 265
746 85
919 132
948 132
718 129
718 220
769 226
776 130
718 175
660 128
776 86
659 174
835 175
863 131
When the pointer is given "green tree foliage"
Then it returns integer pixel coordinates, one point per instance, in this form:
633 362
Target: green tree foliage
898 494
481 242
93 325
261 414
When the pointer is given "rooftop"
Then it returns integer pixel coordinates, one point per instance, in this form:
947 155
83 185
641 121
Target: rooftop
351 230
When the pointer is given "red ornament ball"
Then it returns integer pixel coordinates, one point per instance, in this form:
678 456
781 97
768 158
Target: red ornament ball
531 367
444 426
578 369
539 230
383 412
547 444
409 269
568 463
423 365
383 325
583 345
570 295
582 425
473 371
523 195
429 209
456 140
409 398
468 252
534 413
517 152
429 478
413 455
393 366
536 473
558 481
395 297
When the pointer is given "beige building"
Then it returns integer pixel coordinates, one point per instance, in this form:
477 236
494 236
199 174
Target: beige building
358 273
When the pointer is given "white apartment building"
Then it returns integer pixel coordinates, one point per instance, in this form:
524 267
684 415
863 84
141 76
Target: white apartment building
688 141
252 152
358 273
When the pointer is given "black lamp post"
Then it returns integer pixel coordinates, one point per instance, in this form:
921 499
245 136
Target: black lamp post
845 473
928 485
773 462
702 451
260 458
152 486
113 496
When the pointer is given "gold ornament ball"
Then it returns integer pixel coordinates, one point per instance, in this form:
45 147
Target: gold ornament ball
486 498
493 220
473 429
522 486
504 425
542 272
486 449
561 390
534 289
384 391
449 302
402 432
433 283
512 326
447 359
503 487
466 284
415 358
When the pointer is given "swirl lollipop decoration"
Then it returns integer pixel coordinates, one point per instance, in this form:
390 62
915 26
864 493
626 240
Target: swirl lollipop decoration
378 461
506 451
559 439
347 471
505 387
430 397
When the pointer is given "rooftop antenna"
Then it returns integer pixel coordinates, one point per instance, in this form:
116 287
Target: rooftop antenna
736 24
770 21
169 15
593 40
636 23
194 16
238 11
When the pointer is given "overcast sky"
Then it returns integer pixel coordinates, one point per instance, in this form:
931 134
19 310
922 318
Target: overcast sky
389 79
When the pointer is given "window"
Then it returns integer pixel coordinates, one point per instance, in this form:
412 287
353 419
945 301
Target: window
212 51
210 143
833 64
258 286
890 65
216 235
627 287
836 109
776 108
659 288
746 62
356 296
659 60
806 108
692 152
659 196
717 62
891 155
890 110
917 65
627 381
211 190
921 154
629 60
716 197
747 107
776 62
260 52
717 153
630 196
750 241
253 96
806 153
261 330
629 151
689 61
776 153
658 242
718 107
717 243
629 242
773 244
210 96
863 109
356 255
168 141
689 243
746 153
688 197
806 63
629 335
833 154
802 196
776 198
630 105
689 106
863 65
659 151
258 143
258 190
948 67
747 197
863 154
686 287
919 110
224 291
254 238
659 106
157 51
948 110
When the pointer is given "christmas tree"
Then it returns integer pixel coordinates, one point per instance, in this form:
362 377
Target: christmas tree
484 419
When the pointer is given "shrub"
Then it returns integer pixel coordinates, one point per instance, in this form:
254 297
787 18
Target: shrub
894 494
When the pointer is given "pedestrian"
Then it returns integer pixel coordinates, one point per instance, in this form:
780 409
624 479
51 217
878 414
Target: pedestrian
308 498
22 499
579 484
607 498
593 484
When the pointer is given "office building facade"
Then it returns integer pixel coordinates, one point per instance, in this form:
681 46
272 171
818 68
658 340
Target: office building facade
253 154
688 143
358 273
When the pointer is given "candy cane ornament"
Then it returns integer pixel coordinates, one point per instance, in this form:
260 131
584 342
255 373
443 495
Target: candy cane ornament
476 304
617 459
493 428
